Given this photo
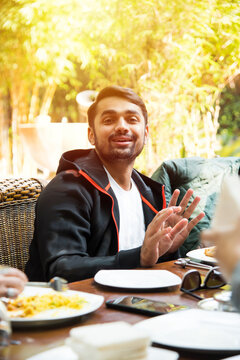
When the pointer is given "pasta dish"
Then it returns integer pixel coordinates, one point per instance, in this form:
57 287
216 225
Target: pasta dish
28 306
210 251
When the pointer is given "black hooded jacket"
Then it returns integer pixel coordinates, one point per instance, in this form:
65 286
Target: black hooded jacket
77 221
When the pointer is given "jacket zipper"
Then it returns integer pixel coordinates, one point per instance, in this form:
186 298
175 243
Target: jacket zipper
104 192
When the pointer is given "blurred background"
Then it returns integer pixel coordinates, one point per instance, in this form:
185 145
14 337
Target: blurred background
181 56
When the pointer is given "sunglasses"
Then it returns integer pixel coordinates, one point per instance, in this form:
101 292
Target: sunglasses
192 281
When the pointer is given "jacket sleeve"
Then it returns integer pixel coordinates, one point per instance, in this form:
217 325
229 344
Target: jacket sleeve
62 231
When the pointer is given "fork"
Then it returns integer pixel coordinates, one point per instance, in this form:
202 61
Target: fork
56 283
187 262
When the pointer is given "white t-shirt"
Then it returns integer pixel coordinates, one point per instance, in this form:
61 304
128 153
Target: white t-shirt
132 225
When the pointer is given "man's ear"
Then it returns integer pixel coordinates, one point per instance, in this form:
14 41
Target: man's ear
91 136
146 134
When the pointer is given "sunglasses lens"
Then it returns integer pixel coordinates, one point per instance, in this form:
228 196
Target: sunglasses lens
191 281
214 279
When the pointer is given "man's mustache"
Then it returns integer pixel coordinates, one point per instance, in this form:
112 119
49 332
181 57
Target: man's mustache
127 137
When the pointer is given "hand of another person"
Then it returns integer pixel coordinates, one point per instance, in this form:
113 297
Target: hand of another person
12 282
227 241
169 229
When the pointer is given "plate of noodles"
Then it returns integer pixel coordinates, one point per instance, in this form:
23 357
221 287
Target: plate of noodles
42 306
205 255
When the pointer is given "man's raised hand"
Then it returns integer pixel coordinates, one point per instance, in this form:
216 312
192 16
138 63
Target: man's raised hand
169 228
185 213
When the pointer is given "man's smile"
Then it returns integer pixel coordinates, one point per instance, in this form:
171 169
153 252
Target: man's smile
121 139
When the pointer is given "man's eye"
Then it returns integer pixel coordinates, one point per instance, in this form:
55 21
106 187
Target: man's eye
133 119
108 121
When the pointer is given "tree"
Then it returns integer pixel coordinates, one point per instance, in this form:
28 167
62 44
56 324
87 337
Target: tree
177 55
37 40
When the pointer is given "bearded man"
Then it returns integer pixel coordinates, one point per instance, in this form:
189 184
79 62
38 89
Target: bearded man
98 212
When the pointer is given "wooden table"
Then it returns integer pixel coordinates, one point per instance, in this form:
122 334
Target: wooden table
37 340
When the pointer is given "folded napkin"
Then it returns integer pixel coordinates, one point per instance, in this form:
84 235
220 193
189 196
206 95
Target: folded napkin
227 211
66 353
111 341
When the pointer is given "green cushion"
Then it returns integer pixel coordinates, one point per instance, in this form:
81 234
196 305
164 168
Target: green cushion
204 176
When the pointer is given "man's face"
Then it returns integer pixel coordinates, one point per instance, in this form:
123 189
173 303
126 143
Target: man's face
119 131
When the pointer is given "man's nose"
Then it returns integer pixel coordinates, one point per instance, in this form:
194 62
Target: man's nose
121 124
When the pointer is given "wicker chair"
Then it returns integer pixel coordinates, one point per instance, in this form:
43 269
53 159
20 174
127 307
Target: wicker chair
17 212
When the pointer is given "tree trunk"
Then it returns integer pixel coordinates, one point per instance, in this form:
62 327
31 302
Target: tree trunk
19 102
5 168
34 103
47 99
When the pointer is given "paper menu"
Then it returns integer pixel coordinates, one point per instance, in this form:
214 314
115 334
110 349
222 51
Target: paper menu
227 211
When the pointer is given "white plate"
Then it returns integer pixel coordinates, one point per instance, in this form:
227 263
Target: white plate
198 254
137 279
196 330
93 302
64 352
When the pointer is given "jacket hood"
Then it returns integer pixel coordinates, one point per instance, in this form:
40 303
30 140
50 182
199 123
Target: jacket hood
85 160
89 162
73 160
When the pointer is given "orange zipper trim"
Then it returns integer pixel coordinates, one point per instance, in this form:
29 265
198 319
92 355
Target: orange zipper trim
150 205
108 186
164 197
104 192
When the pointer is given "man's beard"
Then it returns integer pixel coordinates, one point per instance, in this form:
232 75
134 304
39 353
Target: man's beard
118 154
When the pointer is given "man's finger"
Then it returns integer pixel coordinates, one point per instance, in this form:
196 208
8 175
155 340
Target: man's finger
195 221
188 212
152 245
178 228
174 198
162 216
186 198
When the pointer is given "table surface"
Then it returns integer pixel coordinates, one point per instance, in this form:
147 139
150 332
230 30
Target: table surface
33 341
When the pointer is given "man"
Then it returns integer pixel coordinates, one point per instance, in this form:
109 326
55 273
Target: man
100 213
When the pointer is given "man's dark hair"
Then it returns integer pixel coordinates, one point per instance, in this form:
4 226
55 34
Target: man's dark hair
118 91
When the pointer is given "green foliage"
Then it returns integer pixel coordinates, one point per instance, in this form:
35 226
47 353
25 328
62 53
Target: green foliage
38 39
231 147
229 117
